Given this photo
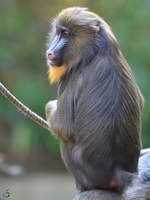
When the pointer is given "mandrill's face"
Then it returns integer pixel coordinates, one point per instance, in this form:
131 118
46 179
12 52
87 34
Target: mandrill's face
55 53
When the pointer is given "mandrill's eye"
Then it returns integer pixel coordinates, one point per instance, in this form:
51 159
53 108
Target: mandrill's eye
65 34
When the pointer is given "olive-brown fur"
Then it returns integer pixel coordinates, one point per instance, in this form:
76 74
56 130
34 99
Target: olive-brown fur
99 105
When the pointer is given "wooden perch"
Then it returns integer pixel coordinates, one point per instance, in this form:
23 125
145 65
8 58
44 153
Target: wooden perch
32 115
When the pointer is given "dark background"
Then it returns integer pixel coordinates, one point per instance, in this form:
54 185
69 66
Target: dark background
24 26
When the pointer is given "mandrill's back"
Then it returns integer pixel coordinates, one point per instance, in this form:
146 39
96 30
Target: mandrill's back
107 105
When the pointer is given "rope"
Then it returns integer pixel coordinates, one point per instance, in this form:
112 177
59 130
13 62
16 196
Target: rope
24 109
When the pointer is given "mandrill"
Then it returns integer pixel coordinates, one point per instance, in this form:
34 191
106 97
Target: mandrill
97 113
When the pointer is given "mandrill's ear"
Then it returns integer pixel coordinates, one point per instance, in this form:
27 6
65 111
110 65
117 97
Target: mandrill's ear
96 28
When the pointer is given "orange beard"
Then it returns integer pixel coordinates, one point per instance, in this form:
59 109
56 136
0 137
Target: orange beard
55 73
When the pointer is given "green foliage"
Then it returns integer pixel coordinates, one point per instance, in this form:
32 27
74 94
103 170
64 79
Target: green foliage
24 27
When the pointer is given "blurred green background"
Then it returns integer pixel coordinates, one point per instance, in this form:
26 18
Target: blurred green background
24 26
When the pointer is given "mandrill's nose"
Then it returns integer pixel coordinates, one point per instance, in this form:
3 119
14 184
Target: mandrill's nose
50 54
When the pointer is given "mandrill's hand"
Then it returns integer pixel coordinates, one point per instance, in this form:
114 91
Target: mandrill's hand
50 110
